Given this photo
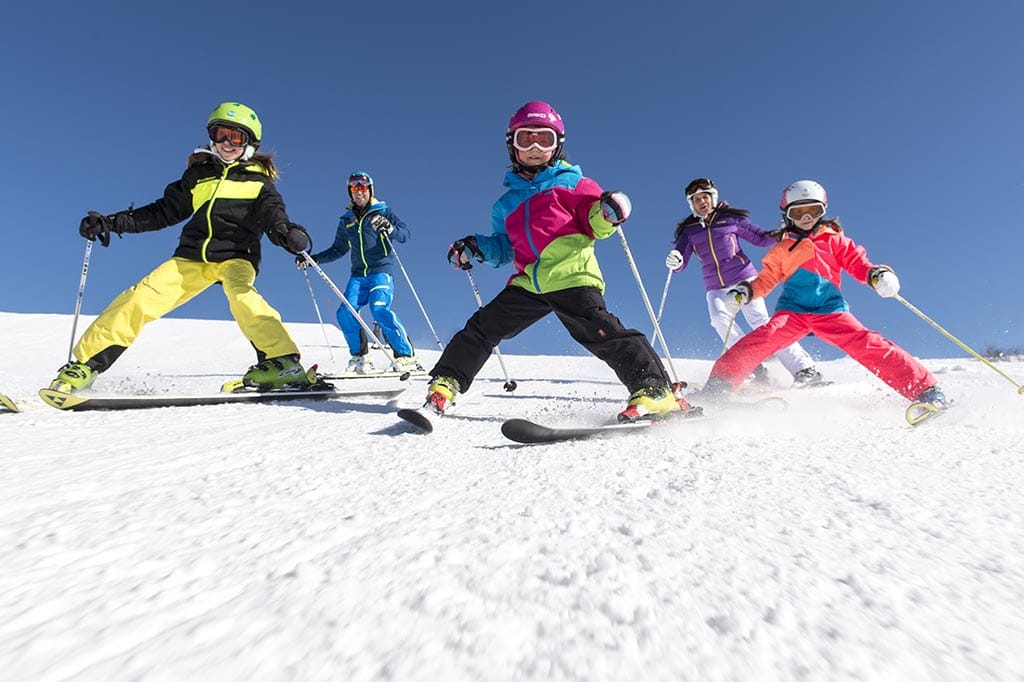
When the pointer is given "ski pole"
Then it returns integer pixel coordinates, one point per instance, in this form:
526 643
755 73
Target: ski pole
728 332
510 385
413 290
323 328
664 295
647 304
355 313
1020 389
78 299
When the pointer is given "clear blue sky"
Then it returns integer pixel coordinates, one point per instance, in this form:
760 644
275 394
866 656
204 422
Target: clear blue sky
908 113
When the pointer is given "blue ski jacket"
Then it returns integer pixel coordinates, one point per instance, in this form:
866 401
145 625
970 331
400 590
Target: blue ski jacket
371 252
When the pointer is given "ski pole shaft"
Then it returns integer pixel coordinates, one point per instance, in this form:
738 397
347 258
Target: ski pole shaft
78 299
413 290
355 313
319 317
728 332
933 323
664 295
647 304
509 384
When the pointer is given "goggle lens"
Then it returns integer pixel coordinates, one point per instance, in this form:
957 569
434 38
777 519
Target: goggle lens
815 210
543 139
359 182
234 136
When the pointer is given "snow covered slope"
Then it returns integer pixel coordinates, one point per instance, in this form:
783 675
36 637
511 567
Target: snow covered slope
327 541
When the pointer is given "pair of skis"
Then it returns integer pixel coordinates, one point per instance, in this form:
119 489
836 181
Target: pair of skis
233 391
530 432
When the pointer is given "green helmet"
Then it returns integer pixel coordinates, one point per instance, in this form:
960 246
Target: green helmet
238 115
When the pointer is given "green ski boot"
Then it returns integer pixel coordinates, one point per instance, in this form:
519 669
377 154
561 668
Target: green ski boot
72 377
276 373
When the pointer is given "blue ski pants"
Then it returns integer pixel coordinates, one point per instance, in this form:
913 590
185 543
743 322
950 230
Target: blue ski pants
377 291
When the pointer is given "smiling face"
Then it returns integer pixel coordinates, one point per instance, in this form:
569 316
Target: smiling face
360 195
228 151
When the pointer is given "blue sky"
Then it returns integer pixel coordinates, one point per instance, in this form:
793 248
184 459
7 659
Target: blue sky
911 118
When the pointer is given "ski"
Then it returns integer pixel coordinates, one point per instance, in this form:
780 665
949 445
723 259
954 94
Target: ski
532 433
8 404
918 413
85 401
375 375
419 417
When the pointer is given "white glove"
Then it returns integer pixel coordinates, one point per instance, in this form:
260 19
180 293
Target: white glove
738 296
674 260
884 281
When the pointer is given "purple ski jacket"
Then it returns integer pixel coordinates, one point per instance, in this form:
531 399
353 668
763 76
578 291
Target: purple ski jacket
716 241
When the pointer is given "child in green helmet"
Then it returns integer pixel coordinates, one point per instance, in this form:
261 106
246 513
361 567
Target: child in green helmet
228 197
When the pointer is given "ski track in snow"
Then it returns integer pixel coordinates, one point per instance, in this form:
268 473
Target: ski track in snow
329 541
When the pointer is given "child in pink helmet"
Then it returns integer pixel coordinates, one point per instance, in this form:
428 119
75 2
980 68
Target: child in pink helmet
546 224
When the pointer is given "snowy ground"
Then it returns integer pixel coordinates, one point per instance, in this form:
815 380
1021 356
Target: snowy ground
327 541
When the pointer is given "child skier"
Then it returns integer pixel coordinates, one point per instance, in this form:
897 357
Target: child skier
228 194
367 229
810 260
546 225
713 231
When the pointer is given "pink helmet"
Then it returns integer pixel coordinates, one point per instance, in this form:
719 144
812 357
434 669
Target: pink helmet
539 114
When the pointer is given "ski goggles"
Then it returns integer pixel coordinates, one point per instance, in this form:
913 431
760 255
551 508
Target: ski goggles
359 182
544 139
698 186
814 210
232 136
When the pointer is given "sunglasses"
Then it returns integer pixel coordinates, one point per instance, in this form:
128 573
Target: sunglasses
815 210
544 139
232 136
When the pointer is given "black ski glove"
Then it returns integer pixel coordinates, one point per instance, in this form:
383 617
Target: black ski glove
292 237
97 226
460 252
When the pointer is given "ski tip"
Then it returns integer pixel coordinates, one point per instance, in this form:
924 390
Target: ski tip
7 403
59 399
417 418
920 412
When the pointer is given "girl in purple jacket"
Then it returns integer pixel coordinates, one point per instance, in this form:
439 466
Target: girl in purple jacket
713 231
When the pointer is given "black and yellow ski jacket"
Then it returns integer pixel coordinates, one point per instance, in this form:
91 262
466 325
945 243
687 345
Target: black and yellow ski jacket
229 207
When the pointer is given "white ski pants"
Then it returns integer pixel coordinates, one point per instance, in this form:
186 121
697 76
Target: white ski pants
794 358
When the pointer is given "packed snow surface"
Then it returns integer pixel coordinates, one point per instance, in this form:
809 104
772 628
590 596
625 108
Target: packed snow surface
329 541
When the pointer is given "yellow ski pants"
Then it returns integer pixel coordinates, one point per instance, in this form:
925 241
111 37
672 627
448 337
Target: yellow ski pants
176 282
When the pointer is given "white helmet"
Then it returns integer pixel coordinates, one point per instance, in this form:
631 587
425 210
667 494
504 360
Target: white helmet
803 192
701 185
